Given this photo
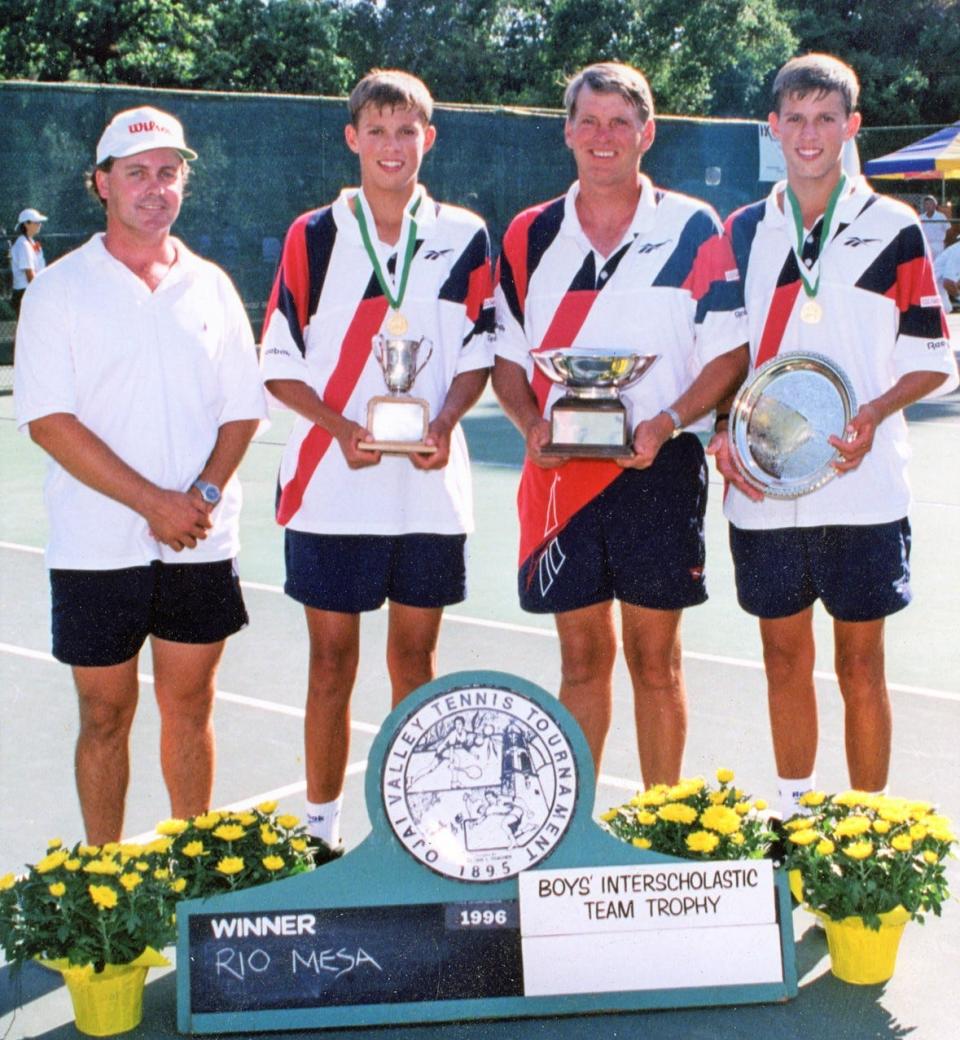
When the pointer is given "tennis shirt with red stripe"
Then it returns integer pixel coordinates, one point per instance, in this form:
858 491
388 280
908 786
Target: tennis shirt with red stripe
881 319
670 288
325 308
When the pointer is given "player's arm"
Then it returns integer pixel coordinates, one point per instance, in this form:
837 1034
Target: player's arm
464 392
228 451
718 380
861 429
518 401
301 398
174 517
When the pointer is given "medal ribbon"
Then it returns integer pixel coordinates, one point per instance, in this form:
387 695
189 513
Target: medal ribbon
825 232
406 250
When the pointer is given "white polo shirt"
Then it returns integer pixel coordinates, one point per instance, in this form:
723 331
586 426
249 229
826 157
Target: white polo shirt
154 375
881 320
26 255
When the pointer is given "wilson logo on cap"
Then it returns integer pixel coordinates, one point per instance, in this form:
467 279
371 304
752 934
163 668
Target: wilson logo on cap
145 128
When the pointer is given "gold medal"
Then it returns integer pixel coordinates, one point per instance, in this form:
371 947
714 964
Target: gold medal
811 312
397 324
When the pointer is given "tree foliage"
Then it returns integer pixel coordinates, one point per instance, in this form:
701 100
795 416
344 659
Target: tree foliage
716 57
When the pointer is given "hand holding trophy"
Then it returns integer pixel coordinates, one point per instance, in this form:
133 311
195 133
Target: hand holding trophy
398 421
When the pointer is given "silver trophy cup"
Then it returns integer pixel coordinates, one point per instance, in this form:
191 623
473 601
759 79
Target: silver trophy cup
590 420
398 421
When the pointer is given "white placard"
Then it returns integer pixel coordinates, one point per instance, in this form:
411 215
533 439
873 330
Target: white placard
567 964
667 896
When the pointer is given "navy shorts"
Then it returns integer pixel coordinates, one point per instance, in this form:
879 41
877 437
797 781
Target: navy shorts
353 573
640 541
860 572
103 618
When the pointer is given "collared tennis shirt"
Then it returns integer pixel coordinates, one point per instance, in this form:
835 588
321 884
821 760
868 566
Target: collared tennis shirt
881 320
154 375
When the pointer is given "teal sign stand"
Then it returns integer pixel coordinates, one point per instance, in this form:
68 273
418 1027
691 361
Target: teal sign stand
484 890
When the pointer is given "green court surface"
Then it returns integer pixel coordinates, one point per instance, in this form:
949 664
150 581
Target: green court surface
260 709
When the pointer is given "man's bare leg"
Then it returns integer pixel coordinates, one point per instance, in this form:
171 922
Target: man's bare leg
588 648
651 645
412 637
108 700
184 676
859 662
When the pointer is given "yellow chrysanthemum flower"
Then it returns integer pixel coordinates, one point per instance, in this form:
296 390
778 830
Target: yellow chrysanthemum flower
725 775
825 847
288 821
142 866
685 789
179 885
635 802
298 844
902 842
812 798
893 814
57 889
273 862
104 897
193 848
806 837
702 841
797 823
230 865
606 817
268 836
7 882
640 843
161 875
720 819
111 848
930 857
102 866
88 850
130 850
54 843
943 834
717 797
158 846
207 821
646 818
71 864
858 849
882 826
760 805
172 827
852 827
850 799
738 838
741 808
51 862
229 832
130 881
267 807
653 798
677 812
918 832
245 819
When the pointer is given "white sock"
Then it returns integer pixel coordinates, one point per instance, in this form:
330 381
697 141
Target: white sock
791 790
323 820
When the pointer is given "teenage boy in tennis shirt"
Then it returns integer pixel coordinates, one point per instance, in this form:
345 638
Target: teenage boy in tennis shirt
363 527
832 268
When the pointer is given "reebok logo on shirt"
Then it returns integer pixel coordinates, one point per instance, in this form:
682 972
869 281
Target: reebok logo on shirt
650 247
855 240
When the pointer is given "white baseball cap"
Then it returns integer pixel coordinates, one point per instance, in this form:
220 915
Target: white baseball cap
139 130
33 215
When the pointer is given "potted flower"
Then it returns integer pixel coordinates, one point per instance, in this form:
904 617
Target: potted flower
219 852
693 820
865 865
100 916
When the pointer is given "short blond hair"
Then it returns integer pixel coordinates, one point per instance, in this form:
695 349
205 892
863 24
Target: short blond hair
390 88
611 77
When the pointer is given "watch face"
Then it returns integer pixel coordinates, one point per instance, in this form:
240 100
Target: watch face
210 494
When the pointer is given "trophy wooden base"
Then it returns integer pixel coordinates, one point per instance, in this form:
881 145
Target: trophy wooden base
582 428
398 425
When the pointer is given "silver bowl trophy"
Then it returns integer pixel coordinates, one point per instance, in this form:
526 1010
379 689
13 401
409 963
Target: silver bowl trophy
398 421
781 420
590 420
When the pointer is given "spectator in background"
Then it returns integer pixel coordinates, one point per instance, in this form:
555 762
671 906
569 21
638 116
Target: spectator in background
946 272
26 256
935 225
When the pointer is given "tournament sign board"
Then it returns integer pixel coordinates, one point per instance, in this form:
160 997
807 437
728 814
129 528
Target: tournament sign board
484 890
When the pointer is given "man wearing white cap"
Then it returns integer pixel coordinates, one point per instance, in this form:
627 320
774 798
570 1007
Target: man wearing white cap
136 372
26 256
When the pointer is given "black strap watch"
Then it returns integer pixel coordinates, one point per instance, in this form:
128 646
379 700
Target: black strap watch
209 492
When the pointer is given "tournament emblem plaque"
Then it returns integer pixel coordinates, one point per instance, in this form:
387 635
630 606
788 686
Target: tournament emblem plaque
590 420
781 422
479 784
399 422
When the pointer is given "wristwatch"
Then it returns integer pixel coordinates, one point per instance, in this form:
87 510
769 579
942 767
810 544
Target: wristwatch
210 493
674 416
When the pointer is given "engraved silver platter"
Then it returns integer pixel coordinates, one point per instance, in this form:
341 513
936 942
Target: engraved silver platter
781 420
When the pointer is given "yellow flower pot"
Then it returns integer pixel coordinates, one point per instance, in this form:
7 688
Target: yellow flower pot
859 954
109 1001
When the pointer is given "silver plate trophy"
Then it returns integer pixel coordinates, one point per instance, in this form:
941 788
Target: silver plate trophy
590 420
398 421
781 420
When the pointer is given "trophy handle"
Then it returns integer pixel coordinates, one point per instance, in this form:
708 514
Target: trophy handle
423 339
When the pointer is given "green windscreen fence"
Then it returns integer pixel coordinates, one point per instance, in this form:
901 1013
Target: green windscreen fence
265 159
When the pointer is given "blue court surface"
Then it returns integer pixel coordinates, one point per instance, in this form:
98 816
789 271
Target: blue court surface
260 710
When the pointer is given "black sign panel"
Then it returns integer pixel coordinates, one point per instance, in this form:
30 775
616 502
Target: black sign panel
357 955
